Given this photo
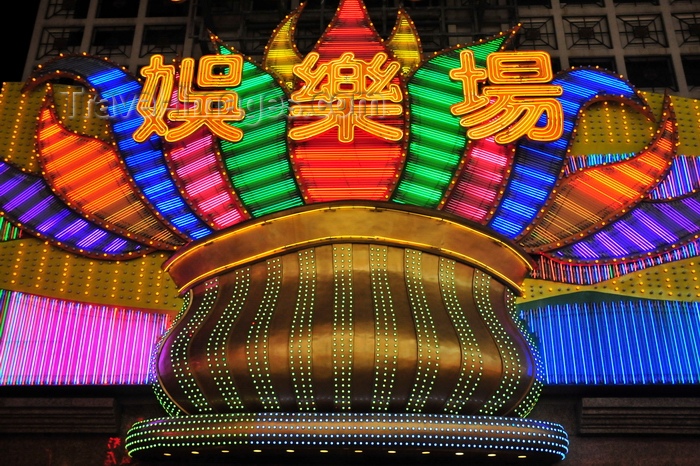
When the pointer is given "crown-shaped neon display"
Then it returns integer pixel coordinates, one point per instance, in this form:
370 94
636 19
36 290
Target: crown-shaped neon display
359 118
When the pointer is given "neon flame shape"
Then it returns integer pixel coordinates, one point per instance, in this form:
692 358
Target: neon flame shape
100 189
592 197
357 165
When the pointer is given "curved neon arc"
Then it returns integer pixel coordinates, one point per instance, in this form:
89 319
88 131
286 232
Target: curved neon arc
29 202
538 165
144 161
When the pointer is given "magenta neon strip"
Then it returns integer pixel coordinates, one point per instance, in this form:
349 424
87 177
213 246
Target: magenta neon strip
48 341
197 171
480 180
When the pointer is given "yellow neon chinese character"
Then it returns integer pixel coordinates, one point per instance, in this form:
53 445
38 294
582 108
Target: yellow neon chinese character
155 97
518 96
345 93
210 108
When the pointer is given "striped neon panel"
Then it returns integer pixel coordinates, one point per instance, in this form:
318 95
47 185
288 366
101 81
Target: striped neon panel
197 170
100 190
682 179
480 179
611 343
281 53
594 272
46 341
437 141
652 227
404 42
258 165
368 166
26 199
589 198
538 164
145 161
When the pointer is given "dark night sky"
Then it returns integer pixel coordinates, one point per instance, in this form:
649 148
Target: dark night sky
16 33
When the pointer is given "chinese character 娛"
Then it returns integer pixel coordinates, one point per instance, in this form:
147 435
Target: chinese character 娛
215 107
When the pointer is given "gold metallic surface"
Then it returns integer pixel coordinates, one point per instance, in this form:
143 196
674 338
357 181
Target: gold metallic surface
374 223
344 354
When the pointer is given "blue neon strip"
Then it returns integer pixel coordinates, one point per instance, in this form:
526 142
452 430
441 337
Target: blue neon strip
537 164
580 162
634 342
28 200
145 161
649 228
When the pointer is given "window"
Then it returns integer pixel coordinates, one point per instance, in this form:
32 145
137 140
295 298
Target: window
687 28
430 26
166 40
583 2
545 3
167 8
537 33
654 73
653 2
586 31
277 5
118 9
112 41
642 30
67 8
556 64
59 40
691 70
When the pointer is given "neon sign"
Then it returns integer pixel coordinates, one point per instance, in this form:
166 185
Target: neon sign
349 93
332 228
511 106
210 108
353 90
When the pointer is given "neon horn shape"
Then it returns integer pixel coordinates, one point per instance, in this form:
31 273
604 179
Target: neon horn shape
592 197
144 160
437 142
347 144
28 202
281 53
405 43
258 166
100 190
196 167
539 165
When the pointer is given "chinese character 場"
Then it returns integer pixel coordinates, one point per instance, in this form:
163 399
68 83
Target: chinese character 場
519 95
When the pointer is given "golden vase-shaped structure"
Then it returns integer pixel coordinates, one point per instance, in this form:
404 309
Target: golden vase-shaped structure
350 307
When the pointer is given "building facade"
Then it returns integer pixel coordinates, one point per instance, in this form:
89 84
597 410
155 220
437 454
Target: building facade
654 44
